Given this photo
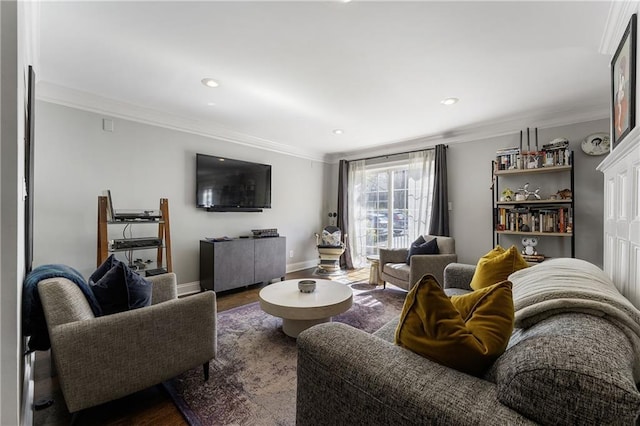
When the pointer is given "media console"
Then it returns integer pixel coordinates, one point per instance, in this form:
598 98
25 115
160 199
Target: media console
239 262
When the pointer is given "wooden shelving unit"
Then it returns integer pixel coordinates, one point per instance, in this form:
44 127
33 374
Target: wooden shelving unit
163 257
534 205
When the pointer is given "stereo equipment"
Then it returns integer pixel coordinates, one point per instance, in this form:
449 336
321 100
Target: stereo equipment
265 233
134 243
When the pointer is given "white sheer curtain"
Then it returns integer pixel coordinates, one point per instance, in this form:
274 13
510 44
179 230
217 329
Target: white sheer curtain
420 190
357 213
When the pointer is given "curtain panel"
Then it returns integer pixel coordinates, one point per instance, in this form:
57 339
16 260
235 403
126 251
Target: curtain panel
343 211
357 211
439 223
420 189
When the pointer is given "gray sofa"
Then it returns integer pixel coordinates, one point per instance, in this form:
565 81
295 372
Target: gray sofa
568 368
394 268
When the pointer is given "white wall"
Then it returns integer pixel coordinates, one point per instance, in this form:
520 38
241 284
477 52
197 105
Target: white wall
75 160
469 166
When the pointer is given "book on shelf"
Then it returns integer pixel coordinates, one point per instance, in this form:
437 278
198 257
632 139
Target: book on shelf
527 219
506 158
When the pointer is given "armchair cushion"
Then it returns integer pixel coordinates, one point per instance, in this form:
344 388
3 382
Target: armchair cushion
467 332
420 246
120 289
496 266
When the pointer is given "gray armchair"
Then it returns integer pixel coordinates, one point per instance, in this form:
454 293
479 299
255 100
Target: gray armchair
394 269
105 358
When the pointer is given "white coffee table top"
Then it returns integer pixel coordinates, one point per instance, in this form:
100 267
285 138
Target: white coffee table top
285 300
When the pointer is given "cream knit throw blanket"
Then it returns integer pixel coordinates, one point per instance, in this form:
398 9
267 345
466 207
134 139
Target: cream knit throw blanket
573 285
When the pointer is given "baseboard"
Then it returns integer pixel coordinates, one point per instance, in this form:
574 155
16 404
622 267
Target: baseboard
188 288
28 388
293 267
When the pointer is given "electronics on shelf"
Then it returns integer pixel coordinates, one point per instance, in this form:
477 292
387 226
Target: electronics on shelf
131 243
125 215
265 233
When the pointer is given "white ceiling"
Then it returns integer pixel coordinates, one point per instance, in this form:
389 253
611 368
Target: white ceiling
292 72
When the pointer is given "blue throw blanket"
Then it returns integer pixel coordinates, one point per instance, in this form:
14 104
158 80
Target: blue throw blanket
33 319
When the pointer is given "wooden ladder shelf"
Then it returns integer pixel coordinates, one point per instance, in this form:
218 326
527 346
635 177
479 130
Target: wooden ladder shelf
163 257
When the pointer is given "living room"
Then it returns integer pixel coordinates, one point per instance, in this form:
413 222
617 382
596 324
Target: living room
86 143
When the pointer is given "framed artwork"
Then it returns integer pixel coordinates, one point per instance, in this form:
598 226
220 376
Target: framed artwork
623 85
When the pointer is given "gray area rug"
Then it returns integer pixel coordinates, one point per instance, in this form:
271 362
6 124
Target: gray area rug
253 379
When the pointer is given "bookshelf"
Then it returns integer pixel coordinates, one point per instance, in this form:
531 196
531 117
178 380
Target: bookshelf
533 213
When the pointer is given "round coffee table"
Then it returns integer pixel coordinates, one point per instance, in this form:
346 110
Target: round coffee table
300 311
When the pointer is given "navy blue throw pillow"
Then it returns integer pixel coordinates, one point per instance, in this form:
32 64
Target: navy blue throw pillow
416 243
121 289
428 247
103 269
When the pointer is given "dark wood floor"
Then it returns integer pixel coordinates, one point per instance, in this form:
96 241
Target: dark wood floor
148 407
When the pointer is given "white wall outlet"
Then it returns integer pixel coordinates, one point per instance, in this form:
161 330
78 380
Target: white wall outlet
450 206
290 253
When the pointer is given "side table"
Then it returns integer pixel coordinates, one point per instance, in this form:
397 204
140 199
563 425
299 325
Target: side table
374 275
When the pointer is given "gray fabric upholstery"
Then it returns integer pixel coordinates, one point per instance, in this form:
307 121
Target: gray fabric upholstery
458 275
349 377
104 358
394 269
577 366
571 368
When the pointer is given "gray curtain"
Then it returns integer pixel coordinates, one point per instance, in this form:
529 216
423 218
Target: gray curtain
439 224
343 211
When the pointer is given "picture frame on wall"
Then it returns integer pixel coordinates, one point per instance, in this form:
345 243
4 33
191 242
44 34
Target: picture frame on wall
623 85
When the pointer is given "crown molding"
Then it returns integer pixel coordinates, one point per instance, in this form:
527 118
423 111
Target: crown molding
542 119
619 14
65 96
624 148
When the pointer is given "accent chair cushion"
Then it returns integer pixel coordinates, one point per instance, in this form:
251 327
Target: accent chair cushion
496 266
120 289
466 332
420 246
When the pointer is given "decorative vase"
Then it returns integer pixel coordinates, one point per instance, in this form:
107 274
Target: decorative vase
307 286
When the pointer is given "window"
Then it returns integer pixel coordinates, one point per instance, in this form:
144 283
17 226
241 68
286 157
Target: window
389 202
386 193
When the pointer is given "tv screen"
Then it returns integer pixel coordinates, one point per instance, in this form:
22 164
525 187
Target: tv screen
226 184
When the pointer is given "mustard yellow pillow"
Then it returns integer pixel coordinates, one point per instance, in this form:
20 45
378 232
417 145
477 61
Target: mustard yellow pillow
496 266
467 332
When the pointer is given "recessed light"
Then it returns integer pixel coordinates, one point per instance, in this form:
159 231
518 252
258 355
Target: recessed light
338 131
449 101
211 104
209 82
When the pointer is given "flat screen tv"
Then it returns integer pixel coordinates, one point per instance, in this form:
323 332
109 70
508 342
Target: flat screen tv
225 184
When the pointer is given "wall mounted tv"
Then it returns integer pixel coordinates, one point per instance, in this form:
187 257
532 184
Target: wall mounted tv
225 184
